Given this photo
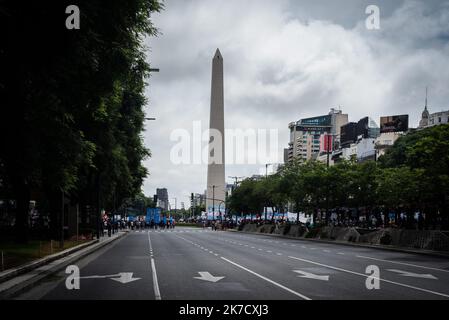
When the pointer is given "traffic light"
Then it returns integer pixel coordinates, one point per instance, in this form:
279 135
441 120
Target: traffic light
155 200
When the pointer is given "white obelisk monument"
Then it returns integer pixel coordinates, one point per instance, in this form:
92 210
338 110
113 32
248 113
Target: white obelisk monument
216 184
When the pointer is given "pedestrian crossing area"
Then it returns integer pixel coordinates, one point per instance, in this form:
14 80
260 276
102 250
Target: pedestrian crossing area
174 231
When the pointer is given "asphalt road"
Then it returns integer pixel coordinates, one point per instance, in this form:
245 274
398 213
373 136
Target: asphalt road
200 264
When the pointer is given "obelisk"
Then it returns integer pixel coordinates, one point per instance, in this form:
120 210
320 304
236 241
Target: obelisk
216 184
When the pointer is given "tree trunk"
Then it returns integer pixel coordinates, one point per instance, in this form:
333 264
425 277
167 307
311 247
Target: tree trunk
22 196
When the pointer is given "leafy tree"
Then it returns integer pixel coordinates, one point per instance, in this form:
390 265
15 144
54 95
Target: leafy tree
72 103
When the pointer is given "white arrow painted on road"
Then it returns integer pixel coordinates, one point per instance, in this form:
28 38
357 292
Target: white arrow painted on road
309 275
206 276
415 275
122 277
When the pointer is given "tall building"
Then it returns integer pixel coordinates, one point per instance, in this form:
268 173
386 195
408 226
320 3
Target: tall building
216 184
434 119
306 134
199 199
348 134
424 122
162 198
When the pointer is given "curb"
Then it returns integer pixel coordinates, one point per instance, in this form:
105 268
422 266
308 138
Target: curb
439 254
11 273
45 267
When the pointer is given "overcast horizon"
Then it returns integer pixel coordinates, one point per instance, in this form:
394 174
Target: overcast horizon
283 61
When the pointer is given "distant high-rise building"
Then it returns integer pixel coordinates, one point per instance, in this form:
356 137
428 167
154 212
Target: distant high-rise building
367 128
162 198
306 134
199 199
348 134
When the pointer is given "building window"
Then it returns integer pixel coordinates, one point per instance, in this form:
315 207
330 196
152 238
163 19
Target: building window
439 119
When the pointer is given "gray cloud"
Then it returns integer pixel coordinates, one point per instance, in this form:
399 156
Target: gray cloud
285 60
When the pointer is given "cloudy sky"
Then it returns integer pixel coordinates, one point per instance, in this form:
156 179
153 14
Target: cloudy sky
285 60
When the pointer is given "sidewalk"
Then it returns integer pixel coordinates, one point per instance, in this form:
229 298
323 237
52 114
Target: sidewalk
441 254
16 280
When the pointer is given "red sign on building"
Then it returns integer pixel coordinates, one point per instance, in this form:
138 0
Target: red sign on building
326 142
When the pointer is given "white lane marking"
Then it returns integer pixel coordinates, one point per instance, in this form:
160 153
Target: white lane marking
157 293
414 275
366 276
403 263
267 279
309 275
279 254
206 276
269 251
122 277
341 253
327 251
304 247
253 248
155 283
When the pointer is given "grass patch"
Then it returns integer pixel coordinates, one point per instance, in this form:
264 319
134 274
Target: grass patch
190 225
15 254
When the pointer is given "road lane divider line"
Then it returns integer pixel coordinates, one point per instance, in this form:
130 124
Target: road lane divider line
157 293
267 279
403 263
369 276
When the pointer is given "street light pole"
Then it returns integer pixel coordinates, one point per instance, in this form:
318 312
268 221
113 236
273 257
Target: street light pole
61 243
213 202
266 177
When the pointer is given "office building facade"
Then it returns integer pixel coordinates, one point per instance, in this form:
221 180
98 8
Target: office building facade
306 134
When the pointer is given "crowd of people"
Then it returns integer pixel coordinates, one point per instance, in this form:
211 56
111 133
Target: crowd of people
138 225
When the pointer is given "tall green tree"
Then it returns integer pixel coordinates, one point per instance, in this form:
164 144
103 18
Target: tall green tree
72 102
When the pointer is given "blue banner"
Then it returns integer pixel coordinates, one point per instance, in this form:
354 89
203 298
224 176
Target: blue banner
150 215
157 215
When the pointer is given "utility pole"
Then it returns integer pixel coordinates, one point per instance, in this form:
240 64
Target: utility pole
236 183
61 242
266 177
192 208
213 202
